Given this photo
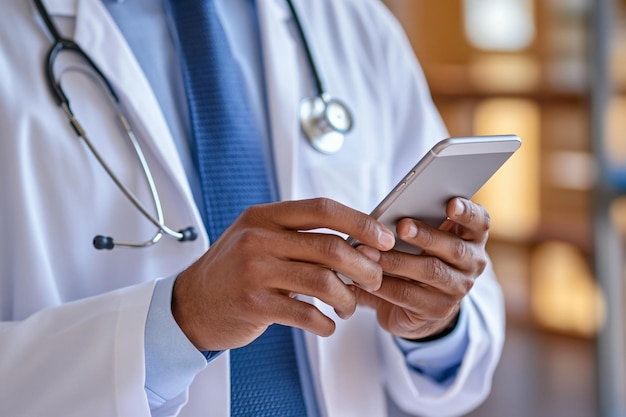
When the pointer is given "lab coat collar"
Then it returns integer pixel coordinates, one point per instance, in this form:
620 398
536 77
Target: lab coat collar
65 8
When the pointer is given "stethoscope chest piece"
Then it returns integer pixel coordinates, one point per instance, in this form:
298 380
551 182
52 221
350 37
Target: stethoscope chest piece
325 121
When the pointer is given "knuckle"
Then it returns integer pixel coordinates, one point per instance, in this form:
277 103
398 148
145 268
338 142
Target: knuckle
481 265
254 269
375 275
324 206
426 237
306 315
459 249
478 216
324 284
462 286
405 293
249 237
487 220
330 247
436 269
471 213
251 213
253 302
393 261
487 223
252 280
467 285
366 225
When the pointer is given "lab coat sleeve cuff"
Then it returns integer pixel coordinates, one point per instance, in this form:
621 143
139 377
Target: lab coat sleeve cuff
438 359
172 361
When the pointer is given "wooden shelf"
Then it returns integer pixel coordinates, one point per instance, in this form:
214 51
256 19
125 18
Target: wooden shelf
454 82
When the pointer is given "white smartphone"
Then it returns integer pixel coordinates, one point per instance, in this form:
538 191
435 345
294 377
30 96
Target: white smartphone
454 167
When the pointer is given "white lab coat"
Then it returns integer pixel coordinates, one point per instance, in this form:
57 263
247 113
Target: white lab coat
72 330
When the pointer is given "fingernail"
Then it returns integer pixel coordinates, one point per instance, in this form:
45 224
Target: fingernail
370 253
386 239
458 207
412 232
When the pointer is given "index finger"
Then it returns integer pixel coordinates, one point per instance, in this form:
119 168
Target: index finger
325 213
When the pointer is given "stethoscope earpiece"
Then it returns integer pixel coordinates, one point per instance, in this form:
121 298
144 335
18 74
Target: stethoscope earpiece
325 121
188 234
103 242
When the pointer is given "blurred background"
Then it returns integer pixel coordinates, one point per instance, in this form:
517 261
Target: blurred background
554 73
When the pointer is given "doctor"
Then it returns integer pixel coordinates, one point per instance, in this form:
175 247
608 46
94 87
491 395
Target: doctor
148 331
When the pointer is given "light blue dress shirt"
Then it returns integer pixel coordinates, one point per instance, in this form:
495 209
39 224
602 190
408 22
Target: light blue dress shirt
171 360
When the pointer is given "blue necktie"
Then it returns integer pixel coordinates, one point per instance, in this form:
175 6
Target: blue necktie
228 152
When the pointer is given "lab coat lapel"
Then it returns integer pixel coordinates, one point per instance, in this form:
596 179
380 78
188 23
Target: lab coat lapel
98 35
283 71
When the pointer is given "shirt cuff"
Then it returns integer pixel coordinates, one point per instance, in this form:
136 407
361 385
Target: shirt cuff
438 359
172 361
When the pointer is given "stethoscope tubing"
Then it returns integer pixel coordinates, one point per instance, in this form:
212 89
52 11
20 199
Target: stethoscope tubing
321 92
102 242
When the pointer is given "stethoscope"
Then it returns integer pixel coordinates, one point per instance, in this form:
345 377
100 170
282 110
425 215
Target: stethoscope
324 121
106 242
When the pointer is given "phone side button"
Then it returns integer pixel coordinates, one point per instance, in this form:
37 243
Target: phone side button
400 186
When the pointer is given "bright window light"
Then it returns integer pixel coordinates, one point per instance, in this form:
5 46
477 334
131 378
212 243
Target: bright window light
501 25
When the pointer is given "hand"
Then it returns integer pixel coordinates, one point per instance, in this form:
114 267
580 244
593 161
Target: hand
249 277
421 294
